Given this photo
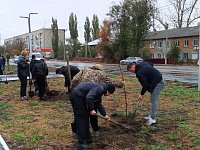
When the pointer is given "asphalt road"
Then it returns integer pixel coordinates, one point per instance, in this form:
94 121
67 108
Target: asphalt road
187 74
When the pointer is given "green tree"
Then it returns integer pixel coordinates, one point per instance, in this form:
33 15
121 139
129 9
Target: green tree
55 37
2 50
87 35
73 33
95 27
174 53
15 47
130 24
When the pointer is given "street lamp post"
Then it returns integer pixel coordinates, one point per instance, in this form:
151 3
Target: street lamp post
29 29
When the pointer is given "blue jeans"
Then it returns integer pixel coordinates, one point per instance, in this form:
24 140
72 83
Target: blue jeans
154 99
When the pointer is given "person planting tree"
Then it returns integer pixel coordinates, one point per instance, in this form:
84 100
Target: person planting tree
152 81
84 98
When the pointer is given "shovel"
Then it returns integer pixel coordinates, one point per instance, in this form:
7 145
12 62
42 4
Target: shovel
30 92
134 113
117 123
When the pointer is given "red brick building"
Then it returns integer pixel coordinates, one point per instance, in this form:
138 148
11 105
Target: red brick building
187 39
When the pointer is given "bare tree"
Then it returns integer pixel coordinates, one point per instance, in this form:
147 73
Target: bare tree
182 13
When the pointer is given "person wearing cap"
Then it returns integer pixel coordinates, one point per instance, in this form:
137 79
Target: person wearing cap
84 98
152 81
64 70
94 74
23 73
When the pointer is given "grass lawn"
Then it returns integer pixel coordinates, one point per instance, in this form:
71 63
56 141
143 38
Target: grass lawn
47 124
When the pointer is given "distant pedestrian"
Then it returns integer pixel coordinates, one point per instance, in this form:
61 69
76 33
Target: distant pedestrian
4 62
152 81
1 66
23 73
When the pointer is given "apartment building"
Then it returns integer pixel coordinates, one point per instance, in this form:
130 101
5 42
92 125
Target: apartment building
187 39
41 39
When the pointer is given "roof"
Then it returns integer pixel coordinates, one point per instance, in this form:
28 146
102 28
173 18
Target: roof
174 33
95 42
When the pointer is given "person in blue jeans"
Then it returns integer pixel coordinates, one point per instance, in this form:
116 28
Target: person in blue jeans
86 98
151 81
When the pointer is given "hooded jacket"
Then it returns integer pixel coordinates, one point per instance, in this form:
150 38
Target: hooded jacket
39 68
91 94
148 76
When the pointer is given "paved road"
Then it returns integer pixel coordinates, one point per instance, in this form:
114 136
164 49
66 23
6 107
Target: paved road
188 74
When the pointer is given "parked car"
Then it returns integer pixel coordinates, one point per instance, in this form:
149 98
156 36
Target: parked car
16 59
131 60
38 56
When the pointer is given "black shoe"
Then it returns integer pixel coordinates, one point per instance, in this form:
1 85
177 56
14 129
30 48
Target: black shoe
43 99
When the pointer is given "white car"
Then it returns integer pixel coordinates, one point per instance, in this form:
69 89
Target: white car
16 59
38 56
131 60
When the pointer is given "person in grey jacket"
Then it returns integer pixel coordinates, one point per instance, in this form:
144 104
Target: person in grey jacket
84 98
22 73
151 80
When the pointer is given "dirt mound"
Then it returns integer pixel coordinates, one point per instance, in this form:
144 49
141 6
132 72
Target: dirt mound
115 136
53 93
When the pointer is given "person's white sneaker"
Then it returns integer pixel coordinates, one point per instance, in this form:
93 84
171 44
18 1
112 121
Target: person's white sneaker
150 121
147 118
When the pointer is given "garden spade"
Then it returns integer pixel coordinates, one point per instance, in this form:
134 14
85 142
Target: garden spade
117 123
30 92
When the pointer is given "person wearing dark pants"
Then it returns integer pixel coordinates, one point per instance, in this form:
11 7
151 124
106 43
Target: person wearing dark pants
40 80
23 81
64 71
152 81
84 98
40 71
23 73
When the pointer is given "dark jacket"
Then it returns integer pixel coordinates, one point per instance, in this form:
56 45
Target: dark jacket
39 68
91 94
31 65
64 70
22 68
148 76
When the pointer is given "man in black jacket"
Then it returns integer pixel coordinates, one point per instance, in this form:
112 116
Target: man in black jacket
22 73
64 70
40 71
84 98
151 81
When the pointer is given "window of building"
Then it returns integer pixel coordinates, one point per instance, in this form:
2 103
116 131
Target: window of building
195 42
186 43
159 55
177 43
160 44
151 44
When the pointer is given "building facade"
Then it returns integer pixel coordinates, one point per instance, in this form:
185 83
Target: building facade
41 39
187 39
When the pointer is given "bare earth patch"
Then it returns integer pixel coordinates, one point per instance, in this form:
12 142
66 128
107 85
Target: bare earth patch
46 125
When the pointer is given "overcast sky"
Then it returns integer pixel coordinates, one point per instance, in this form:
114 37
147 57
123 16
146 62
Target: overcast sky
12 25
